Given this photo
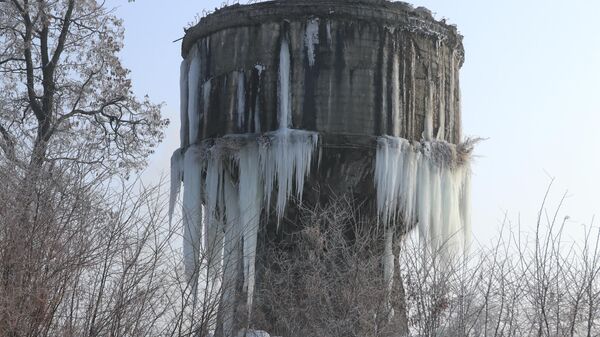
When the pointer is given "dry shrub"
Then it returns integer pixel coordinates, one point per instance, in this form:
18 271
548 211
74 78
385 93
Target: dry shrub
329 282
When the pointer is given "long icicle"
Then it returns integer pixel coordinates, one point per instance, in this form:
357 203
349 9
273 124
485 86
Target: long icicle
425 183
192 210
250 195
176 177
193 86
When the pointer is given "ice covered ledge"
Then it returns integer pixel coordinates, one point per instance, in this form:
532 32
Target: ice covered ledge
442 151
405 175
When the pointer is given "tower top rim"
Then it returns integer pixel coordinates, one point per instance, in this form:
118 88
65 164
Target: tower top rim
394 15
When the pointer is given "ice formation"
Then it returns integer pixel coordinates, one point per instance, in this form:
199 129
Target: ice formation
241 103
192 210
396 108
193 83
425 184
250 194
284 92
230 181
232 252
273 164
183 101
285 159
176 177
311 39
441 134
233 178
206 89
259 68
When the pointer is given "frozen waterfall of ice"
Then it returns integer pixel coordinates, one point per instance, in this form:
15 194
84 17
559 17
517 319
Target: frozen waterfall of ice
233 178
272 165
424 183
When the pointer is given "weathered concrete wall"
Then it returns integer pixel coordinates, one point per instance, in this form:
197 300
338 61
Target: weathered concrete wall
350 87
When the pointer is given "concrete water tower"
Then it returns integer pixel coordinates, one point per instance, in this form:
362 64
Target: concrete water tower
292 100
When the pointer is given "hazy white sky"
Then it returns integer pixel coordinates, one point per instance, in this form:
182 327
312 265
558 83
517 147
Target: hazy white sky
530 84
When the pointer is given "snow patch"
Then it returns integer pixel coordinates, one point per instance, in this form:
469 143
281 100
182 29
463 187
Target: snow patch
260 68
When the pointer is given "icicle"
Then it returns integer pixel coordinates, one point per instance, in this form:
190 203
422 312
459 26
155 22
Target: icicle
396 108
441 134
260 69
176 176
423 194
193 84
412 90
451 96
465 207
212 205
232 252
435 216
285 101
192 210
241 100
206 89
183 102
424 182
311 39
408 185
250 195
286 158
428 133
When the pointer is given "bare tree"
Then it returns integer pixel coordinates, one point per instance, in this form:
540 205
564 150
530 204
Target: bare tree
64 93
81 254
525 285
94 259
